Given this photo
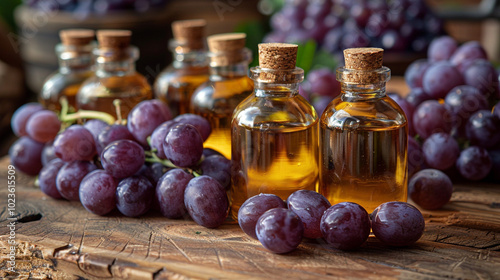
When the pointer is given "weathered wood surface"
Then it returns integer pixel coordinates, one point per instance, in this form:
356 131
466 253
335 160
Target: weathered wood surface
61 240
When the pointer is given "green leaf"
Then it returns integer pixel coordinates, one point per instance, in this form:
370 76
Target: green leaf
305 55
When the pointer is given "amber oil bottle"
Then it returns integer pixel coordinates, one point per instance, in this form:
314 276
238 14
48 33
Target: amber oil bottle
115 76
274 131
363 136
75 66
175 85
228 85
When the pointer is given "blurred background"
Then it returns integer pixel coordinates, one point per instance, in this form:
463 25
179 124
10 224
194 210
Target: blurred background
404 28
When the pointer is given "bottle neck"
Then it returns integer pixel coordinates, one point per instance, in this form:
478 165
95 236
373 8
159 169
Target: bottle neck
113 62
359 92
229 71
276 83
75 58
363 84
183 56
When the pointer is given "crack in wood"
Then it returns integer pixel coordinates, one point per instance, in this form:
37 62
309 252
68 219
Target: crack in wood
30 218
179 248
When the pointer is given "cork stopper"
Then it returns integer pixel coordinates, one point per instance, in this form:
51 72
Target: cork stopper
227 48
360 66
190 33
279 57
114 38
76 37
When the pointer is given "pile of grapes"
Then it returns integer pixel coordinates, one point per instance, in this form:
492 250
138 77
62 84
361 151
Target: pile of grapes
152 161
395 25
280 226
86 7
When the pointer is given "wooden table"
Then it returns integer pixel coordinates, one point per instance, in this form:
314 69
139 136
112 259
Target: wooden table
60 240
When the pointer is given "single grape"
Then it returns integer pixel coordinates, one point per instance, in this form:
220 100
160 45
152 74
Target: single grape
345 225
417 96
158 137
145 117
206 201
21 116
482 75
217 167
183 145
415 156
462 102
397 223
47 178
323 82
95 127
251 210
467 52
122 158
474 163
309 206
98 192
440 151
110 134
43 126
48 153
170 193
134 196
279 230
210 152
25 155
70 176
441 48
152 172
408 109
440 78
201 124
483 129
431 117
430 189
75 143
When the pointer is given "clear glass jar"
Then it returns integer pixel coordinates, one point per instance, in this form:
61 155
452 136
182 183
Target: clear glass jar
363 143
217 98
274 139
115 78
75 66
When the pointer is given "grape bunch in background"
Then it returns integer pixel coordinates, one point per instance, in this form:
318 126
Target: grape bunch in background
86 7
153 161
394 25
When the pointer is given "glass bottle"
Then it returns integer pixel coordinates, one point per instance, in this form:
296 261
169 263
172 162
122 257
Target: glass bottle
175 85
115 76
274 131
229 84
75 66
363 136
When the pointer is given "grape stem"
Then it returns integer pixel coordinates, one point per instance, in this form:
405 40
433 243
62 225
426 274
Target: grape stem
82 114
152 158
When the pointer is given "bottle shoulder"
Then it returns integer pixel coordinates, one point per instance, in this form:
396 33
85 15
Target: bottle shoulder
127 83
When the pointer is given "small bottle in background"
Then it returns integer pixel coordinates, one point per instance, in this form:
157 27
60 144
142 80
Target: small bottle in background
75 66
115 76
229 84
274 131
175 85
363 136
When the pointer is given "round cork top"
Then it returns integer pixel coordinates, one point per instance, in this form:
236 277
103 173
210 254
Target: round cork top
278 56
363 58
76 37
190 32
226 42
114 38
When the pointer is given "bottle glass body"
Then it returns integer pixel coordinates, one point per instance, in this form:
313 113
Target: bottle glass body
175 85
114 79
216 100
274 142
75 66
363 145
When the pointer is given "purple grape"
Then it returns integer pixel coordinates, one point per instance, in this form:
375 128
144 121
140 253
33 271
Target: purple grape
441 48
47 178
201 124
170 193
152 172
408 109
333 40
393 40
431 117
361 13
430 188
355 39
320 103
440 151
440 78
158 137
75 143
345 225
210 152
417 96
43 126
25 155
21 116
98 192
122 158
183 145
482 75
309 206
467 52
397 223
377 24
112 133
217 167
304 90
70 176
251 210
95 127
145 117
134 196
462 102
483 129
323 82
279 230
48 153
316 28
415 157
206 201
474 163
415 73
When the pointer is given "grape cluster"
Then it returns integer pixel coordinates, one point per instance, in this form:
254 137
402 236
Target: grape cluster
280 226
153 161
395 25
86 7
319 88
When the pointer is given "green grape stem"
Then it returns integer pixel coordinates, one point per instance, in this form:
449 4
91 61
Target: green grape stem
151 157
82 114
